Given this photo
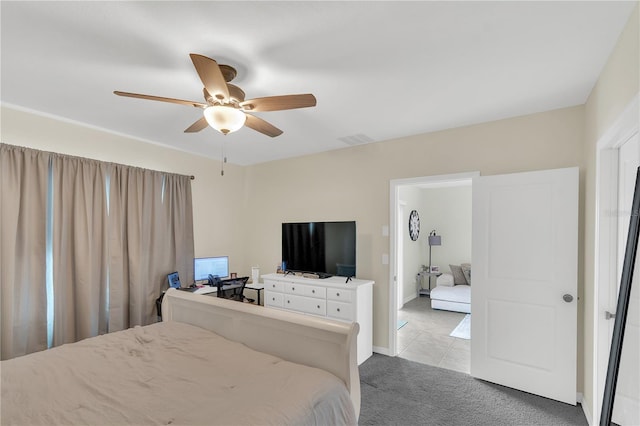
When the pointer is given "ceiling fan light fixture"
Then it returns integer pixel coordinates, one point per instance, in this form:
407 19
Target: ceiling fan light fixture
224 119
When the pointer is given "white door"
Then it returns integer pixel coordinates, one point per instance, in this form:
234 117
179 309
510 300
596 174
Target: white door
524 289
626 408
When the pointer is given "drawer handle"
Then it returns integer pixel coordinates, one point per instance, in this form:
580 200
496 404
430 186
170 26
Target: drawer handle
293 289
318 306
273 285
288 301
338 309
338 294
313 291
273 298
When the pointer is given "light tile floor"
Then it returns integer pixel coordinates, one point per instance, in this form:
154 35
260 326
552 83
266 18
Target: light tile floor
426 338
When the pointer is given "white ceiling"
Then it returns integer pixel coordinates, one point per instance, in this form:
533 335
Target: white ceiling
379 70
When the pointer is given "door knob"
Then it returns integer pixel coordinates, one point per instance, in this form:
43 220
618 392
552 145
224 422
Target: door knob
608 315
567 298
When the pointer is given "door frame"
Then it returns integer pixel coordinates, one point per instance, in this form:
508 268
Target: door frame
605 242
399 276
394 200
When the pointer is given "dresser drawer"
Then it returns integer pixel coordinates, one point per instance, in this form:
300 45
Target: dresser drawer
304 304
274 286
305 290
340 310
339 295
316 306
274 299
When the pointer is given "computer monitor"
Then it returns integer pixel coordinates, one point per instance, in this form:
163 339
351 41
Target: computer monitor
205 266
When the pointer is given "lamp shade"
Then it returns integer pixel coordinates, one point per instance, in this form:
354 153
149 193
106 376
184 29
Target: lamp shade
435 240
224 119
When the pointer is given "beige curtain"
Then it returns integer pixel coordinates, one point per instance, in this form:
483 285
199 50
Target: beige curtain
23 213
109 233
151 226
179 213
80 262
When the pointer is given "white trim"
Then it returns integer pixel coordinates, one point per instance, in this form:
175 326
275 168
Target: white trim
410 298
625 126
394 186
605 245
382 351
585 409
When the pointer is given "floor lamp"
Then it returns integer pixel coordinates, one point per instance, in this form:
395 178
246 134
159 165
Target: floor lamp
434 240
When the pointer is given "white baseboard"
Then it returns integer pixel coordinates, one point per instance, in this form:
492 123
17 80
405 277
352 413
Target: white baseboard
409 298
381 350
586 409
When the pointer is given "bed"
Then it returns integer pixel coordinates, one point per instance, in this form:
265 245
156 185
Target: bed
211 361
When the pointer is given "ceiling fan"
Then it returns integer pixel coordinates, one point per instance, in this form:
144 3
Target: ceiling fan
225 108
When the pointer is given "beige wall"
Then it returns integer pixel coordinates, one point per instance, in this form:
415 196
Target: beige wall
617 85
353 183
348 184
448 211
217 228
412 251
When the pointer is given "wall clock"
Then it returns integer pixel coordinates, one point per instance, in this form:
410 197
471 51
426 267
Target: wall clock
414 225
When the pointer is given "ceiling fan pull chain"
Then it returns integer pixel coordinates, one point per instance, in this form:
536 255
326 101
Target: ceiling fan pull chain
224 160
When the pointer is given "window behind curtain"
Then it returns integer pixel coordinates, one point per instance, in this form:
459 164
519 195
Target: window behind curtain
116 231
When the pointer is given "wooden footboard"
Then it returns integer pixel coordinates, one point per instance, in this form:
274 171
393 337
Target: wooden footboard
316 342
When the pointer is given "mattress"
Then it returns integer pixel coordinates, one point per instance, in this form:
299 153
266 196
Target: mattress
168 373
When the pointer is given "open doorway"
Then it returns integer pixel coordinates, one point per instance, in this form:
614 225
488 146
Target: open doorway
418 331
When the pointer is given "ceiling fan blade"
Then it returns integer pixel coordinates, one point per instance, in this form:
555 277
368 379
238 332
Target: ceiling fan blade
197 126
160 98
211 76
278 103
259 125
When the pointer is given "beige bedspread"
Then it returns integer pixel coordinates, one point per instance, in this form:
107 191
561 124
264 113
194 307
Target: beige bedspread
167 373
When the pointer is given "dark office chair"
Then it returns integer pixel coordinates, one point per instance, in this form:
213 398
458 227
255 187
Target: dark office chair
159 306
233 289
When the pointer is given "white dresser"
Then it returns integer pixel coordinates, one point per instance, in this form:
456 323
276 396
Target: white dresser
330 298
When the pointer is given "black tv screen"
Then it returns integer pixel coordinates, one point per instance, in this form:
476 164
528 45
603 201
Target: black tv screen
323 248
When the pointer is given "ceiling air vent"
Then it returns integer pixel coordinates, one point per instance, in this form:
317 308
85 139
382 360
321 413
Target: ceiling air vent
358 139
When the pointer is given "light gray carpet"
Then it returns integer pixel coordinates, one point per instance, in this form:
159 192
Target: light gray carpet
397 391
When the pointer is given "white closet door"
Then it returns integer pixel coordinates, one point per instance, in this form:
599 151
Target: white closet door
524 281
626 408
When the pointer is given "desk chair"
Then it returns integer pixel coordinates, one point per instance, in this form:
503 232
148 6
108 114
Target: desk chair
236 285
159 306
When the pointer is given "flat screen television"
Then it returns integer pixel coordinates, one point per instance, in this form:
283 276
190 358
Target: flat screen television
323 248
205 266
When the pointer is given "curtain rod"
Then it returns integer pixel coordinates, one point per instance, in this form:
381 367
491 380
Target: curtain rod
191 177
